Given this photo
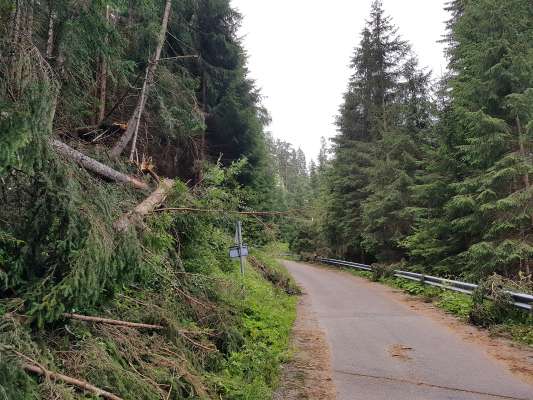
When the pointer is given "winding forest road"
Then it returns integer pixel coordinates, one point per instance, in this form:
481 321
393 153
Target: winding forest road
384 348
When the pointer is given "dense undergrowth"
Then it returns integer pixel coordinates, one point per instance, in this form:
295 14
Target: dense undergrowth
498 316
222 337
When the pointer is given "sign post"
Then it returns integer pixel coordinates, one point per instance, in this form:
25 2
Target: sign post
241 256
240 250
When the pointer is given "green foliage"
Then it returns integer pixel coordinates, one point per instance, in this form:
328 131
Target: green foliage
273 272
382 123
520 332
177 257
27 94
482 225
382 271
439 178
252 372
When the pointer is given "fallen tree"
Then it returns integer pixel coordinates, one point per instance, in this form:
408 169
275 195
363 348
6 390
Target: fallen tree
146 207
96 166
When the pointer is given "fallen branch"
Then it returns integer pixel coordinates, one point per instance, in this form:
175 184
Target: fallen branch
95 166
146 207
71 381
112 321
36 368
199 345
136 325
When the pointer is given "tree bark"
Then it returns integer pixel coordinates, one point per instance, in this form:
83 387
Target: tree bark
71 381
522 150
146 207
15 22
50 40
138 117
102 80
29 20
96 166
527 184
133 123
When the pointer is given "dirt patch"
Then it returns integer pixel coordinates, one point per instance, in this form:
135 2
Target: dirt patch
308 375
400 352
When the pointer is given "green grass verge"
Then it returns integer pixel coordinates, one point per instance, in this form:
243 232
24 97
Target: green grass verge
253 372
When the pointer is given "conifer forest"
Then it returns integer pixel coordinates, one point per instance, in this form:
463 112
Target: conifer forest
132 139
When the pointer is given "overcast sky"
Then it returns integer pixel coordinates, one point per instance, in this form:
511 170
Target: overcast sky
299 51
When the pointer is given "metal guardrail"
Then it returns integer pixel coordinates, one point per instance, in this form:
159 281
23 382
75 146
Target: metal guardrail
520 300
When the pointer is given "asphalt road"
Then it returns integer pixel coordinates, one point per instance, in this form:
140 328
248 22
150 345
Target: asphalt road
382 349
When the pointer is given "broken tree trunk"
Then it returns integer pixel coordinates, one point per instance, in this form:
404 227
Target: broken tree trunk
96 166
146 207
54 376
133 123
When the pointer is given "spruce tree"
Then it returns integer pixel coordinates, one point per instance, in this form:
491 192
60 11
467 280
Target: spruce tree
365 117
483 223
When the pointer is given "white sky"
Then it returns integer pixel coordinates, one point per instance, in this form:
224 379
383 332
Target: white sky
299 52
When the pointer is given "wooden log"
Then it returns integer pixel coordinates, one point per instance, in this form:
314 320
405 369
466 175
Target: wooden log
96 166
109 321
71 381
133 124
146 207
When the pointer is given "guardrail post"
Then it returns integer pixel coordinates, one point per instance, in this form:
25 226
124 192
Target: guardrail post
423 279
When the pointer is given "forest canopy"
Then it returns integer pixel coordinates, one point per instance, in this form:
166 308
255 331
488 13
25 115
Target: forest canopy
432 172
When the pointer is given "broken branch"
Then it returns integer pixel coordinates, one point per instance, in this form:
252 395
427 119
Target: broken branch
96 166
146 207
71 381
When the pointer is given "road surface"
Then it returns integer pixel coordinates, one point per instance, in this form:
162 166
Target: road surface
382 349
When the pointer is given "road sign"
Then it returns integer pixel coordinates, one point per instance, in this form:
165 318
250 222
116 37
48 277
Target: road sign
240 250
236 251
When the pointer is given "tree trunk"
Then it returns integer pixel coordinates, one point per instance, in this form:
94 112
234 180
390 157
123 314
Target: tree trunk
522 150
15 22
29 20
102 80
50 41
138 117
521 139
150 74
146 207
96 166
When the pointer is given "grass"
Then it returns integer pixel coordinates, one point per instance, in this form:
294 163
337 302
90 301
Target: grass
517 326
253 372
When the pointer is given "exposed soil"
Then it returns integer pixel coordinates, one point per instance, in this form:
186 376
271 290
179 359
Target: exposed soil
308 375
